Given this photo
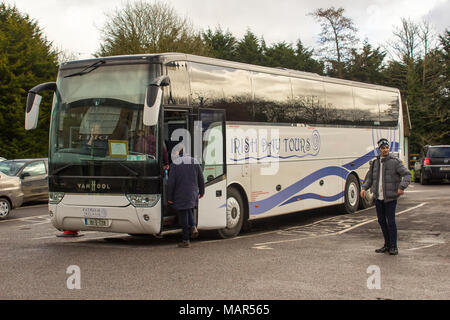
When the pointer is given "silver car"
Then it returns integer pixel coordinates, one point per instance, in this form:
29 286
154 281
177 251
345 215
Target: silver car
11 195
32 174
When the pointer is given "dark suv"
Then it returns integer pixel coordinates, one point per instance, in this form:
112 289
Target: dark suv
433 164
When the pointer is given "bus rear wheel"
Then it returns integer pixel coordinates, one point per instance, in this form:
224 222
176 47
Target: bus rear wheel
235 214
351 195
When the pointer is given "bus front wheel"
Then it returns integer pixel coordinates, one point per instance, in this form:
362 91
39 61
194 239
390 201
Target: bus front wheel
351 195
235 214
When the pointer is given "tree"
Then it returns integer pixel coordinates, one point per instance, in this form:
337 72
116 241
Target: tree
284 55
405 45
305 60
250 49
220 44
26 59
366 65
421 72
280 55
337 37
141 27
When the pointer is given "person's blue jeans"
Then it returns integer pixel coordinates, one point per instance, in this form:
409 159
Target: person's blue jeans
386 219
186 220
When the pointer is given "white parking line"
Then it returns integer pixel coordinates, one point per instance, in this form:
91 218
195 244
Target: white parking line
265 244
423 247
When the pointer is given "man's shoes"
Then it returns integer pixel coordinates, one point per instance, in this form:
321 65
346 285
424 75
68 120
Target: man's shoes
184 244
194 232
393 251
384 249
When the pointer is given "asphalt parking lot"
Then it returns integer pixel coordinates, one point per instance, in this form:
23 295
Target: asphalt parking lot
310 255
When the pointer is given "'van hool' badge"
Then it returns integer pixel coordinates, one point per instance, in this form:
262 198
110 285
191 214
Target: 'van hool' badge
93 186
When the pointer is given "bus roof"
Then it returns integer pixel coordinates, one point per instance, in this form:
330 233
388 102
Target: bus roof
174 56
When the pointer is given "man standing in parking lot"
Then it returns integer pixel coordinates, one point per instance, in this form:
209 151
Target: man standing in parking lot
387 179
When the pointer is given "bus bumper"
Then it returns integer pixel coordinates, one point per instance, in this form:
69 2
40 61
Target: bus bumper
97 217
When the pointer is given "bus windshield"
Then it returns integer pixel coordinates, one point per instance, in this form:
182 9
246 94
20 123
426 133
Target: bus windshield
97 122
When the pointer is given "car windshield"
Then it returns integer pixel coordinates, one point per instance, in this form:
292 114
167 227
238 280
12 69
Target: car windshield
97 121
439 152
11 168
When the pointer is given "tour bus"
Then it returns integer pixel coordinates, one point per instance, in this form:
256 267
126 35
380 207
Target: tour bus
270 141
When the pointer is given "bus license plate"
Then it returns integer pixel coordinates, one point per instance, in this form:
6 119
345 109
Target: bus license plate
96 222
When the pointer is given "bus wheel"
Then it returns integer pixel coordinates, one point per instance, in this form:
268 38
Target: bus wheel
235 214
351 195
5 208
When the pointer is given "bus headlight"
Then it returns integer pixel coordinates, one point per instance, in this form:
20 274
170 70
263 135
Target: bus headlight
143 200
55 197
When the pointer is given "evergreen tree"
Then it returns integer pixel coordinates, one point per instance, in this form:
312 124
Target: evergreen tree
366 65
305 60
220 44
26 59
280 55
250 49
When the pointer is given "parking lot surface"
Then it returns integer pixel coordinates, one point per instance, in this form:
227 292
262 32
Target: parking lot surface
309 255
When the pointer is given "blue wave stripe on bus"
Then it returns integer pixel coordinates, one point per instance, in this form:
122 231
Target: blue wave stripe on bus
262 206
360 161
314 196
275 157
367 157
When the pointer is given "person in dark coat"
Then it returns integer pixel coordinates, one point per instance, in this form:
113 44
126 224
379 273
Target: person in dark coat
387 178
185 186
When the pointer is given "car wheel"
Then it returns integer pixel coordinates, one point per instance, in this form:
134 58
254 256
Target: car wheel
351 194
423 180
235 215
5 208
416 176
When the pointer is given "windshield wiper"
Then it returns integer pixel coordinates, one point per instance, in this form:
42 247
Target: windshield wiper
88 69
134 173
56 171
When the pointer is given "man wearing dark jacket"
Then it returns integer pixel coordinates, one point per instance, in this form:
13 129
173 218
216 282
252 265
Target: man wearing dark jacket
387 179
185 186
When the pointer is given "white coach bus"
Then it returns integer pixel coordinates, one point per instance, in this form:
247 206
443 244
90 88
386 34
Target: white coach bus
271 141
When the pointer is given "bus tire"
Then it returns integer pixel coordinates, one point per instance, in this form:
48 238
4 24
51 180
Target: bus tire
235 214
351 195
5 208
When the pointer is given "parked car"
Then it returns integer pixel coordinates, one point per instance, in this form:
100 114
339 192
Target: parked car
32 174
2 159
11 195
433 164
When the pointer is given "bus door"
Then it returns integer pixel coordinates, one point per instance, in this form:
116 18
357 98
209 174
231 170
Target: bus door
175 131
209 147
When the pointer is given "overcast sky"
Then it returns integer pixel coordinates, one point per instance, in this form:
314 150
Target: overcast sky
73 25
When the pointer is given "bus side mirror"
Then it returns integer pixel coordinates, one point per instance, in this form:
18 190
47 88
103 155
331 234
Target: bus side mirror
153 97
33 102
